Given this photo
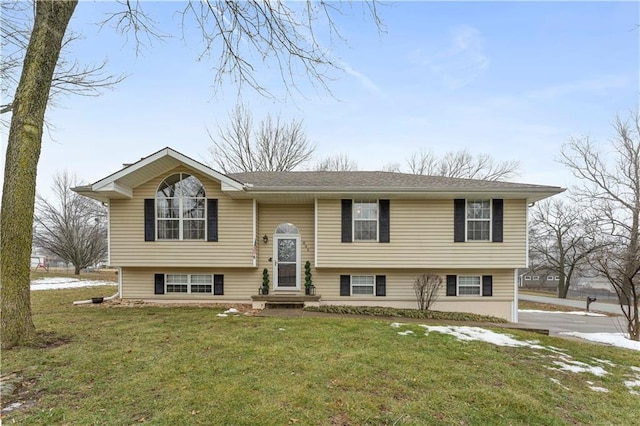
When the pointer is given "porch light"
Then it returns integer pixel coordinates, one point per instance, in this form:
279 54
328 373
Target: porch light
265 239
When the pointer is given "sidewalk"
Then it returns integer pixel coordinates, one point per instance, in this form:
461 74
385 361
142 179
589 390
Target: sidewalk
610 308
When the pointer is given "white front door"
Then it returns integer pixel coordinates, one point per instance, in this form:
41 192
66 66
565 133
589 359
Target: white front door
286 265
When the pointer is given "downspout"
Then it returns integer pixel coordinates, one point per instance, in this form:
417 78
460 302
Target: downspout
104 299
98 300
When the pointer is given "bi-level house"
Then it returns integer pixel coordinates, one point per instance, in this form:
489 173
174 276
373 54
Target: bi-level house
181 231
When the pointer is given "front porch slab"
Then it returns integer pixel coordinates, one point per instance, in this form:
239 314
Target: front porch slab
261 301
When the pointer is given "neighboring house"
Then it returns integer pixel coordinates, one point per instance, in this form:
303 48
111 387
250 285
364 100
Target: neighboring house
180 231
539 278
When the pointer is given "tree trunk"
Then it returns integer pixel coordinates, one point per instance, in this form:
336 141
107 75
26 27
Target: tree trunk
23 153
77 270
563 288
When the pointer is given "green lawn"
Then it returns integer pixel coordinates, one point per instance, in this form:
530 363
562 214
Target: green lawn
176 366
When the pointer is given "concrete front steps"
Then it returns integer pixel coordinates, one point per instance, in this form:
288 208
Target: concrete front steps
284 301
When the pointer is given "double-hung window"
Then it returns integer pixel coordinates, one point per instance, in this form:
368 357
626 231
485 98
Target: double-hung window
180 208
363 285
183 283
469 285
478 220
365 221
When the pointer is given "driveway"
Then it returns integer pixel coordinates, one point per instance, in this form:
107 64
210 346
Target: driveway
563 322
610 308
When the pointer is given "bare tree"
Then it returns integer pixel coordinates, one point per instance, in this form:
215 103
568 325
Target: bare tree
271 146
562 237
69 77
426 287
610 184
72 227
238 34
392 167
336 163
461 164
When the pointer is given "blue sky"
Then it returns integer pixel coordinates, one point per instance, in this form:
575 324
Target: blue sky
511 79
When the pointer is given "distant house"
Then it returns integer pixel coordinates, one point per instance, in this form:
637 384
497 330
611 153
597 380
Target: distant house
539 278
181 231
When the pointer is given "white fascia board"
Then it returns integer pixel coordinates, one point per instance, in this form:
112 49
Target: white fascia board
228 184
117 188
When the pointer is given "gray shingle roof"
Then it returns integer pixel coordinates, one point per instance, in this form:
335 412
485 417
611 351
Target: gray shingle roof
387 181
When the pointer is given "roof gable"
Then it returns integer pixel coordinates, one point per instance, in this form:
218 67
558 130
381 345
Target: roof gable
120 184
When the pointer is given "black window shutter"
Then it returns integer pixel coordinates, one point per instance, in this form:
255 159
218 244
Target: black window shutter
487 285
149 219
345 285
159 283
498 211
381 285
212 219
451 285
218 285
458 220
384 221
347 216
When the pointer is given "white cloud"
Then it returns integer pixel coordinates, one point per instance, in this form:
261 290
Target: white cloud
462 61
364 80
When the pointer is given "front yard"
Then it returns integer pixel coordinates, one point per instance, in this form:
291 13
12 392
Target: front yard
187 365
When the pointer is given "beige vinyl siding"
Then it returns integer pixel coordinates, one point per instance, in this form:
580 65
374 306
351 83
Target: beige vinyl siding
421 237
400 293
239 284
233 249
272 215
399 283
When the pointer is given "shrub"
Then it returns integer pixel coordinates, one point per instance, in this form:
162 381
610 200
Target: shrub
427 287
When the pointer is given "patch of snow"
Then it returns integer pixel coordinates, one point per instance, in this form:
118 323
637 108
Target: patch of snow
578 367
583 313
405 333
560 359
232 311
634 368
11 407
281 329
222 315
632 384
396 324
604 361
557 382
614 339
598 389
56 283
479 334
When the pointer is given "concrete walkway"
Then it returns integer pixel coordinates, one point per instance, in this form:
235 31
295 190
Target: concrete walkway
610 308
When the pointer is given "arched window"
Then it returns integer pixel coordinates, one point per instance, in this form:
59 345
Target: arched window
180 208
287 228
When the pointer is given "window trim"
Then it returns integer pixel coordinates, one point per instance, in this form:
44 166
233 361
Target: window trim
353 220
466 220
373 286
469 276
181 219
189 283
